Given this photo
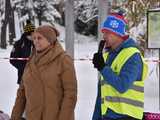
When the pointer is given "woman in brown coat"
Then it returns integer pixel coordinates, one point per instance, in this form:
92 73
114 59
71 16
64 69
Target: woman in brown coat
48 90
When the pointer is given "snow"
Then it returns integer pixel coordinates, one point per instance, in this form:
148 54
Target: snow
151 88
8 80
86 76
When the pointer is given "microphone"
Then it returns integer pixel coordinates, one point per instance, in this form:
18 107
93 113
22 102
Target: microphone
101 46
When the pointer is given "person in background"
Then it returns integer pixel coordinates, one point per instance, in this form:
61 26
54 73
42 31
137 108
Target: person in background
22 49
123 71
48 90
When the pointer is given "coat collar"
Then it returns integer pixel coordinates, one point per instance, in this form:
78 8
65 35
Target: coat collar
125 44
47 55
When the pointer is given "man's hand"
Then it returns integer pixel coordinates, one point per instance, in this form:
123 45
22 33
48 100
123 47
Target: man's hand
98 61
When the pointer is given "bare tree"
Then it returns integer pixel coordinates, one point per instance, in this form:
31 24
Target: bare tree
7 21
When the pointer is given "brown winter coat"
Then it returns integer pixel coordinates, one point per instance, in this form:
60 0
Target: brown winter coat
49 88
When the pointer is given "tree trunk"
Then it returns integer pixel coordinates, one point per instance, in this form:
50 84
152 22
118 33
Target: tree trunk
103 7
3 35
9 18
11 25
69 26
40 18
4 25
40 21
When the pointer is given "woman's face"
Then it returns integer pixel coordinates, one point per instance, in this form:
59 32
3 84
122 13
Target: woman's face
40 42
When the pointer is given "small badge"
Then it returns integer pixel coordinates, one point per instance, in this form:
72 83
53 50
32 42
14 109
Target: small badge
114 24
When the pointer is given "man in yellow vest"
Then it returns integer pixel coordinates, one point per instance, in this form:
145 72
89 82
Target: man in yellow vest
123 71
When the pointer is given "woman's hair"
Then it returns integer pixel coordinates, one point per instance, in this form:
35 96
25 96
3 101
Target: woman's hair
49 32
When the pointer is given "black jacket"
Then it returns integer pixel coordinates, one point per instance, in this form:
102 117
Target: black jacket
21 49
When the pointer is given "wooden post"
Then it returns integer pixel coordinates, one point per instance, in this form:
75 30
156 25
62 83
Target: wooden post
69 27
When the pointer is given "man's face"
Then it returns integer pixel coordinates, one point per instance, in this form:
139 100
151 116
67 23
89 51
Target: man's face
110 39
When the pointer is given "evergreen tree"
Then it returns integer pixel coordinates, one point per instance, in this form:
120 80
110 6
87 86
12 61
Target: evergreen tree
45 11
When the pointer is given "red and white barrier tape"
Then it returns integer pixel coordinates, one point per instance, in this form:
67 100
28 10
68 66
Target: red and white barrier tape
77 59
155 61
14 58
83 59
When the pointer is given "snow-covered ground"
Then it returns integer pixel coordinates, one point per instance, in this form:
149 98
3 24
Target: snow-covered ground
86 76
151 88
8 80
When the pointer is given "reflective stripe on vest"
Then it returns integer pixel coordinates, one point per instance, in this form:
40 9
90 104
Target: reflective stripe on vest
134 87
124 100
131 102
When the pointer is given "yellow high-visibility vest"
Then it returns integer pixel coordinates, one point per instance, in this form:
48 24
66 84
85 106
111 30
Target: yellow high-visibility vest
131 102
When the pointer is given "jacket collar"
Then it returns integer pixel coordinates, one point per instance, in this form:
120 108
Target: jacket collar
127 43
48 55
